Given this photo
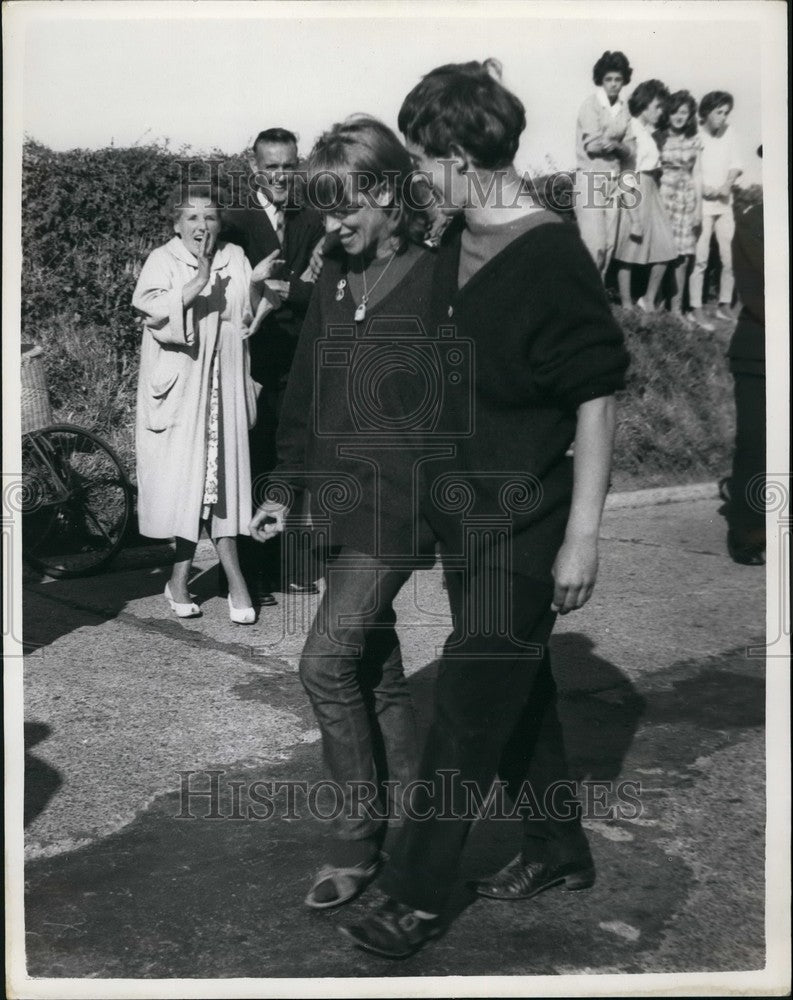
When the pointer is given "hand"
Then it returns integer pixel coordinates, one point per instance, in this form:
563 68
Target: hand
608 145
268 521
574 573
279 288
205 254
314 269
265 268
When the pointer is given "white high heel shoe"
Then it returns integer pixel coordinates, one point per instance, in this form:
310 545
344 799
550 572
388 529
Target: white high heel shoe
181 610
241 616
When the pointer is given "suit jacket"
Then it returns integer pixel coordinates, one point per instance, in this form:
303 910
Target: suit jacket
273 346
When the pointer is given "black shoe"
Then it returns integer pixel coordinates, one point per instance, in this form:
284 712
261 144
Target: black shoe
263 598
301 588
746 553
522 881
392 930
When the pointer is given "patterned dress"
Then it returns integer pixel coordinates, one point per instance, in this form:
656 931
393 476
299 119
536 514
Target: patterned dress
678 157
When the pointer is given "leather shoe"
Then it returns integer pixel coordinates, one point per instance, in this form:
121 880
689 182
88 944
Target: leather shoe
522 881
302 588
265 600
743 551
392 930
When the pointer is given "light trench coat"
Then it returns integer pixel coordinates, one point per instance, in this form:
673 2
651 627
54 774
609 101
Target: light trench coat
174 391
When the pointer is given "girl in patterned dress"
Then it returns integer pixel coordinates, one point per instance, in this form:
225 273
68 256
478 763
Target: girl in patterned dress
681 186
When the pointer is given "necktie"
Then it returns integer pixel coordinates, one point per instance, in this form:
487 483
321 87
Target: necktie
279 225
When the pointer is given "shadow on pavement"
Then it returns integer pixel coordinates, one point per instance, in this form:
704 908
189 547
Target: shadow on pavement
53 609
223 897
42 780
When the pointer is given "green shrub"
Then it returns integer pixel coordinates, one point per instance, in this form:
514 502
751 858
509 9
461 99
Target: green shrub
90 218
675 415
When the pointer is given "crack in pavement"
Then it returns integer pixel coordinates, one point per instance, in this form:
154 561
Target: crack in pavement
660 545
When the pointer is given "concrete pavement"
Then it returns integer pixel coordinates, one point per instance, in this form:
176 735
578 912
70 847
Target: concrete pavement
657 690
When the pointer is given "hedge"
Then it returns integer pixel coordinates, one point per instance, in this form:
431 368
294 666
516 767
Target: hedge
90 218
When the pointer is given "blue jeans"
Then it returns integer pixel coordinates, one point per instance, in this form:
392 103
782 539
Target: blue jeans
351 668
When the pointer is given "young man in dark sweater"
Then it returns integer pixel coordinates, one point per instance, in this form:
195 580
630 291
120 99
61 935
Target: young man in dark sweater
518 284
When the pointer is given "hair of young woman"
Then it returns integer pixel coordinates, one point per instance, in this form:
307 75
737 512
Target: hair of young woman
681 98
645 94
612 62
362 155
714 100
465 106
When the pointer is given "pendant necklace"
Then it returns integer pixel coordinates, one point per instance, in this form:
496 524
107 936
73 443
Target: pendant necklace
360 312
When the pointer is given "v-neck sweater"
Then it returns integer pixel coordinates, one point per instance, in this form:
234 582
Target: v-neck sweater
542 340
351 430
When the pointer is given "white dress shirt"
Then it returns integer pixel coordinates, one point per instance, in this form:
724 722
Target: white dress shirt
647 155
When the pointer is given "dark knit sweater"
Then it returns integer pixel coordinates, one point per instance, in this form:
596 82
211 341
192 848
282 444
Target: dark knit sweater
352 427
542 340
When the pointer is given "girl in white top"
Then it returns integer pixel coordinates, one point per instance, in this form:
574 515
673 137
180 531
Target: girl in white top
720 169
644 233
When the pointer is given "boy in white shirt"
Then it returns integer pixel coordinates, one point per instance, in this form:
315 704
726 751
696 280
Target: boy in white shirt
720 169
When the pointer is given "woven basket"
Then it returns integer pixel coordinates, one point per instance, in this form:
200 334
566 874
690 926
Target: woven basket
36 409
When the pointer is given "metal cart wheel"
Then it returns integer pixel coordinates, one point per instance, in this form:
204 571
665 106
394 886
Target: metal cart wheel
77 501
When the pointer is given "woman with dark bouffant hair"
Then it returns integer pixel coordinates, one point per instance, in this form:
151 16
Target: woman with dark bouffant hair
644 234
348 425
681 185
603 146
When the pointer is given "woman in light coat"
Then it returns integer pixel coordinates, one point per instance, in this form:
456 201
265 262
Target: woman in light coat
196 401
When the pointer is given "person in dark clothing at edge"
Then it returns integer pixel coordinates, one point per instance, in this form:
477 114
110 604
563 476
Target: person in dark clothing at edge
546 359
744 490
275 217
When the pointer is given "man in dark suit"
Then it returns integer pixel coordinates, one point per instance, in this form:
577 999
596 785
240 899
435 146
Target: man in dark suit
272 217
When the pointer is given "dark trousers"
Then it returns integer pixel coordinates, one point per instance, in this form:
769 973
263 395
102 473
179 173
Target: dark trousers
265 561
746 513
495 714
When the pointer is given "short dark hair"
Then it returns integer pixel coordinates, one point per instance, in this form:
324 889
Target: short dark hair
714 100
282 135
183 192
675 102
465 105
612 62
645 94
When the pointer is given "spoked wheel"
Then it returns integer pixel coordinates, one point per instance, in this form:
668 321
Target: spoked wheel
77 501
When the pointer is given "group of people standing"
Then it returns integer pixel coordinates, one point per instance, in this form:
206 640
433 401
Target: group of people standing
422 400
654 183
